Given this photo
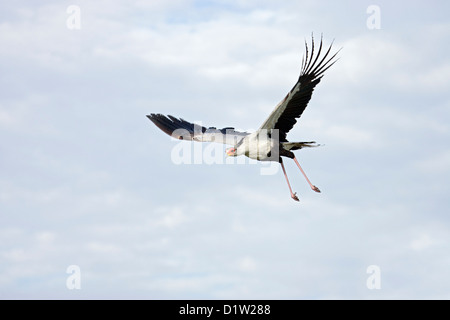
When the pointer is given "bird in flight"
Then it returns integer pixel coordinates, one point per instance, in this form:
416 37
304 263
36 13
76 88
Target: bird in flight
269 142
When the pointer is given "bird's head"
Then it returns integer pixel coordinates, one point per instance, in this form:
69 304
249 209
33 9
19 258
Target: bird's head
231 152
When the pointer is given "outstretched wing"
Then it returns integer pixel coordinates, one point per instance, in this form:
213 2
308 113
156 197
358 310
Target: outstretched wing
284 116
184 130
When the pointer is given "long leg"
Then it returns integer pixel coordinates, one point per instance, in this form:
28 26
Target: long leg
311 185
293 195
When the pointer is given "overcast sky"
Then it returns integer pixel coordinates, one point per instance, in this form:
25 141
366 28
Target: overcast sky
87 180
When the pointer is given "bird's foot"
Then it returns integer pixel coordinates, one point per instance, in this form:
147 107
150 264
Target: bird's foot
315 189
294 196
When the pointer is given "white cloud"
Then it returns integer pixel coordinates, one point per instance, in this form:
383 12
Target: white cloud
88 180
45 237
104 248
16 255
423 242
247 264
438 163
171 217
6 119
370 59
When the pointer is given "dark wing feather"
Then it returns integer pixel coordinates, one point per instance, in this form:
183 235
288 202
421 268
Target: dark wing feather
285 115
184 130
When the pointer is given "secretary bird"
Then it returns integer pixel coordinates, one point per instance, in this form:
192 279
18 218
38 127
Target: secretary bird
269 142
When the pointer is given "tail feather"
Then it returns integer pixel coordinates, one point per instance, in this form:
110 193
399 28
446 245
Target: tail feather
299 145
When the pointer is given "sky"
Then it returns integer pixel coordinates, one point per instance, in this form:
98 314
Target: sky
95 204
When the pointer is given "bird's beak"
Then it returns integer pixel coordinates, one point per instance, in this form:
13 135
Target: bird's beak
230 151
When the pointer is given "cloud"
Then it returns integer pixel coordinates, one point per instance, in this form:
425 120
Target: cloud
422 242
247 264
435 164
88 180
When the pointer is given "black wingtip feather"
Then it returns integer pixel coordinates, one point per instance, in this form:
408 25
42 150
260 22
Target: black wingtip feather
314 64
169 124
311 67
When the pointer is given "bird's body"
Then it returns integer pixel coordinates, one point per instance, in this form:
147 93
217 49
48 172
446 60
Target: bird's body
269 142
257 145
264 145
